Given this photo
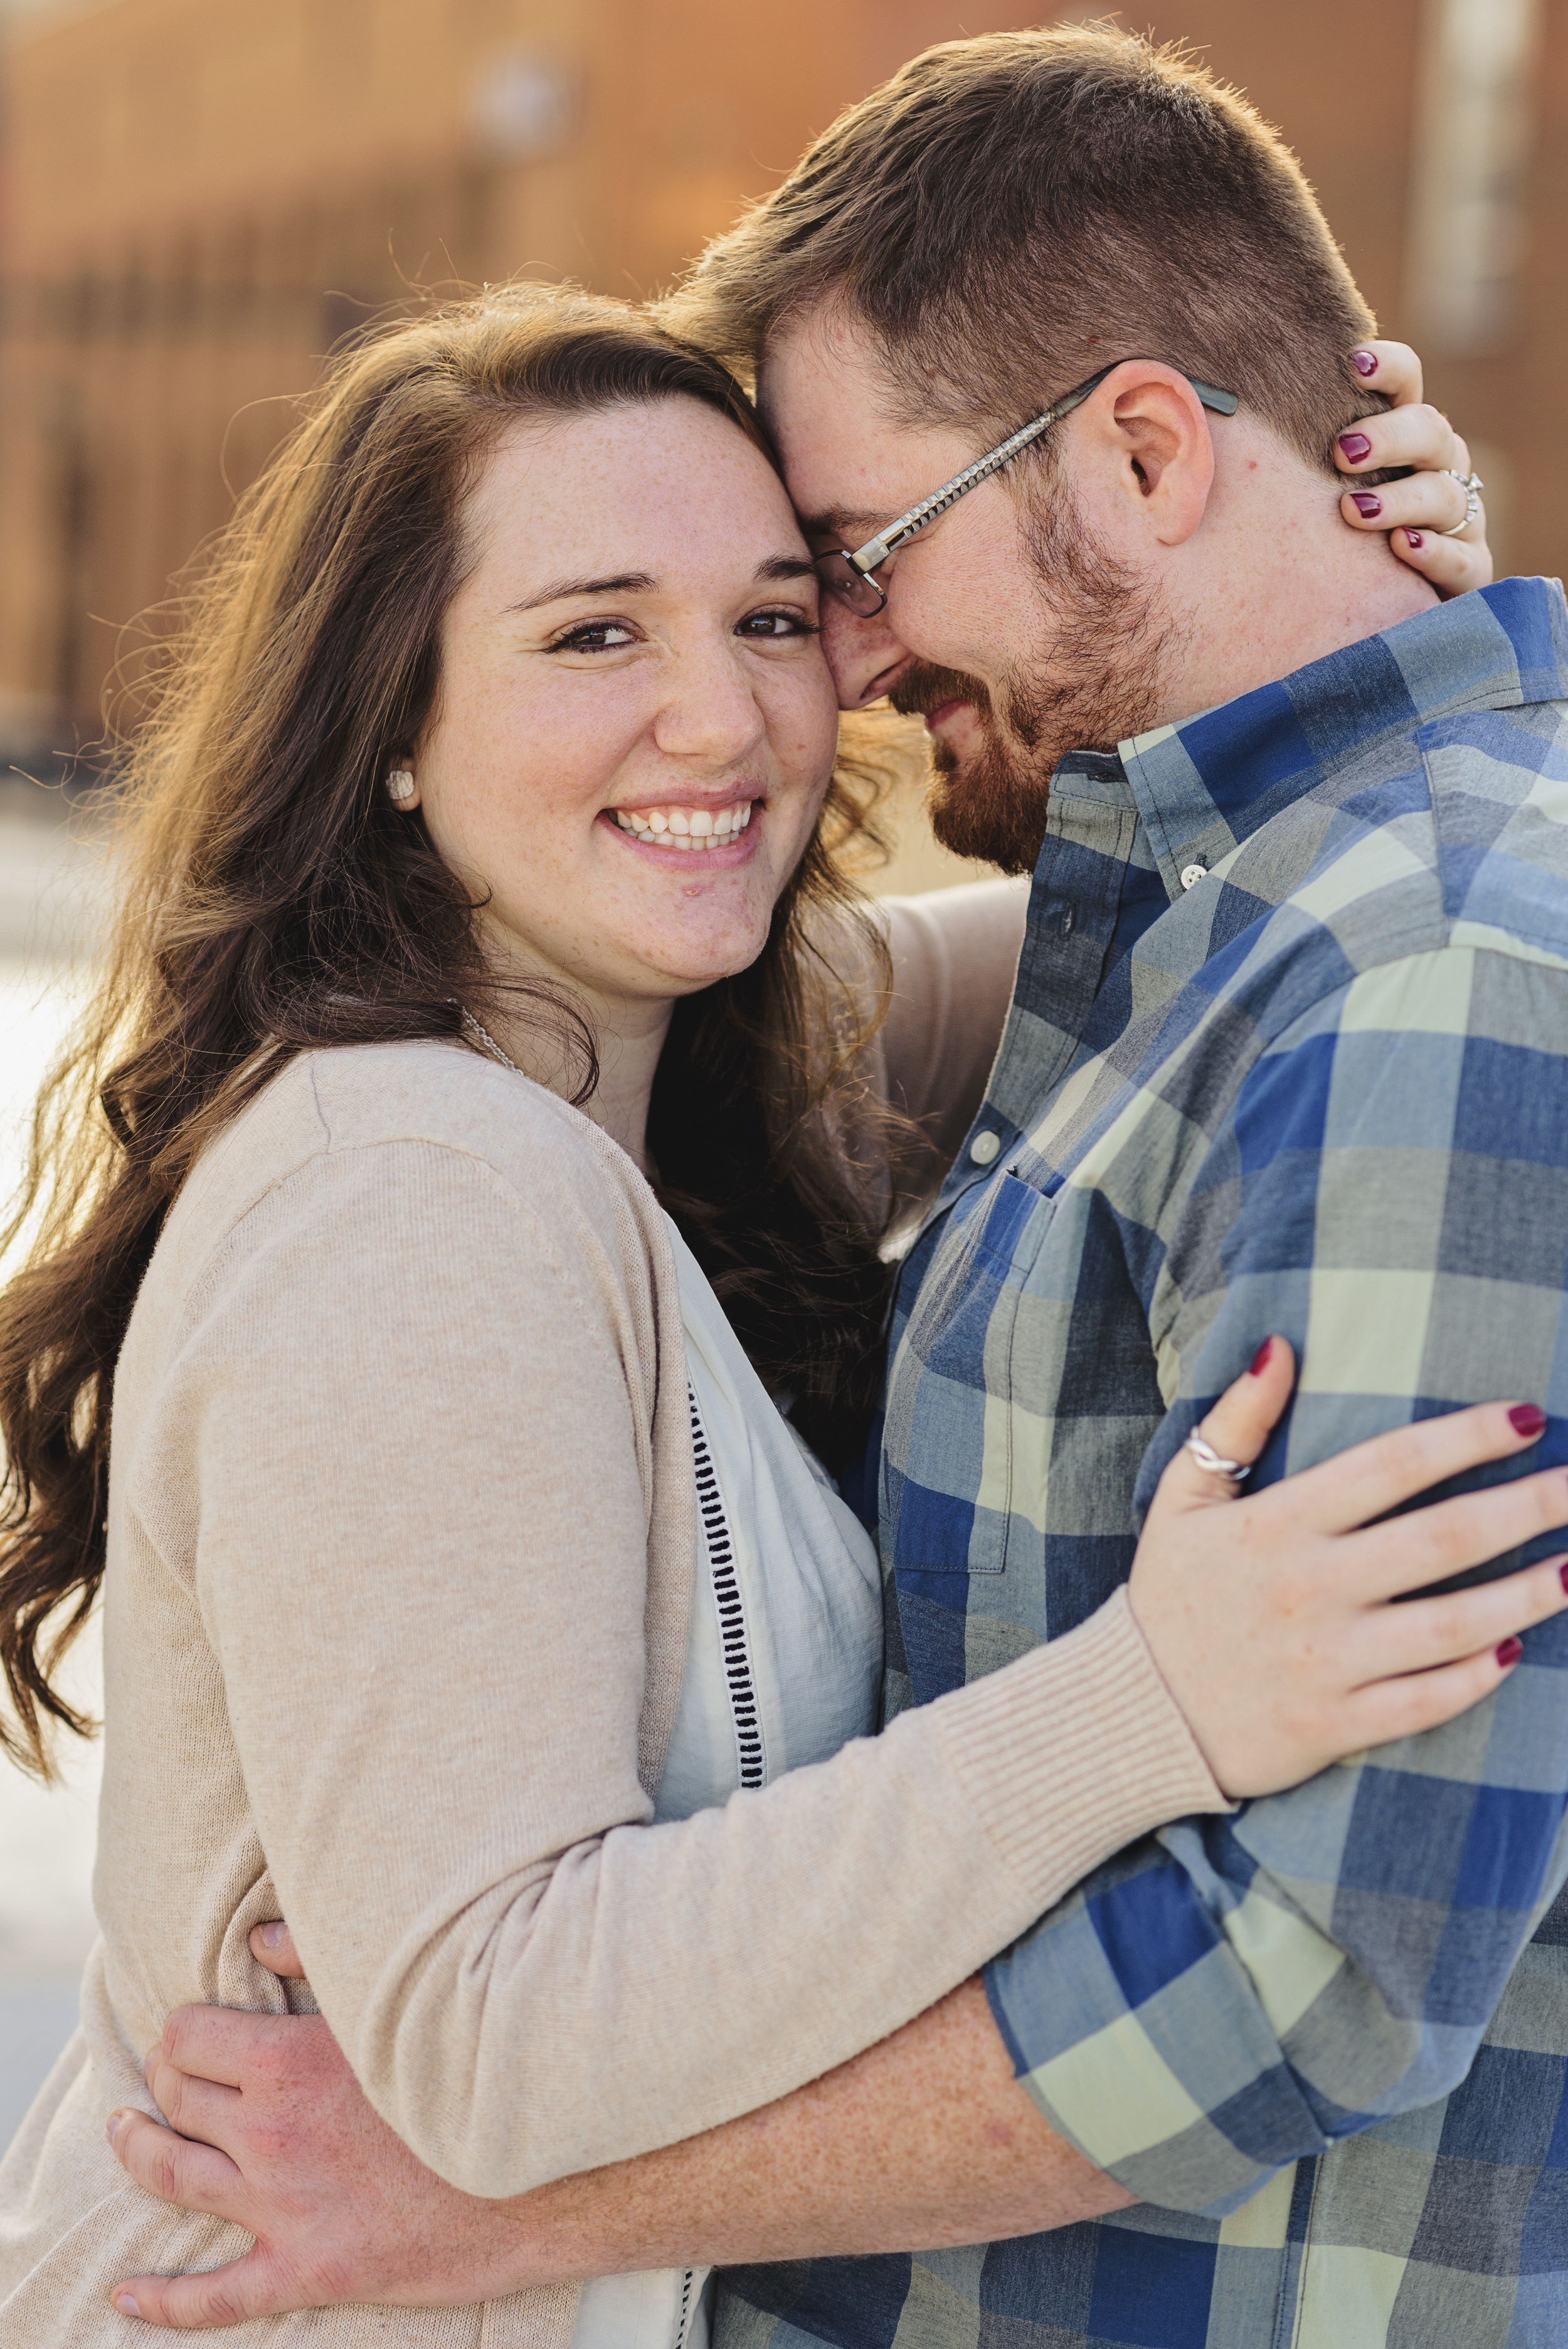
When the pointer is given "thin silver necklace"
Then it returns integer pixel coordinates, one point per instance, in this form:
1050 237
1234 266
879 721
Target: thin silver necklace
487 1040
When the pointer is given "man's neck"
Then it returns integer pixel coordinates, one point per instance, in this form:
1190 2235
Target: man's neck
1274 582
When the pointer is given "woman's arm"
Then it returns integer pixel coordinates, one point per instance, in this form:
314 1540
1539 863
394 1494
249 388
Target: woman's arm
423 1522
927 2139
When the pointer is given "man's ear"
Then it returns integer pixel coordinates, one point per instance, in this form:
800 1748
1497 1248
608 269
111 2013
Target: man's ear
1148 421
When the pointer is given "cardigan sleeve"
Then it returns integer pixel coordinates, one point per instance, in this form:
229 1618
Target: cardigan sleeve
419 1493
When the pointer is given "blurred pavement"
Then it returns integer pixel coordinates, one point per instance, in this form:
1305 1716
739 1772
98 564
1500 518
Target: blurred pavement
52 897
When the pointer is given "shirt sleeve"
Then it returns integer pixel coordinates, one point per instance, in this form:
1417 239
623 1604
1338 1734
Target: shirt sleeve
1391 1193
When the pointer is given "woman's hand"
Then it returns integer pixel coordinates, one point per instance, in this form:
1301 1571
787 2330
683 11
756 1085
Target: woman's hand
1416 511
1272 1617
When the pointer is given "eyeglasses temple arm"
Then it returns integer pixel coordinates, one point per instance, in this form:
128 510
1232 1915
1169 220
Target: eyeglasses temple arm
866 558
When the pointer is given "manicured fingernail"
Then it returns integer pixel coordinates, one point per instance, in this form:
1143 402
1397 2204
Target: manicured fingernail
1508 1654
1364 362
126 2305
1414 538
1562 1574
1256 1367
272 1934
1356 446
1526 1420
1367 505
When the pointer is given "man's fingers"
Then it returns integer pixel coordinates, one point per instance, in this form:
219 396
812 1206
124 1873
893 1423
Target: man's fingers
1237 1427
196 2177
1430 1545
195 2106
253 2286
228 2043
1371 1478
1392 368
273 1946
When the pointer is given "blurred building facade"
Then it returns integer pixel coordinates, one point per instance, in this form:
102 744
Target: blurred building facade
199 197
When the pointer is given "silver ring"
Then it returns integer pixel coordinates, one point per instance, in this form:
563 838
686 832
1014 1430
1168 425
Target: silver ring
1472 486
1205 1453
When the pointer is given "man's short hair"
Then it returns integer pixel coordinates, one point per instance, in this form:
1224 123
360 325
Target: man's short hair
1009 214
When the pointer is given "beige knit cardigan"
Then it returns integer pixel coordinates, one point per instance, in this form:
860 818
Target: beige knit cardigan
402 1545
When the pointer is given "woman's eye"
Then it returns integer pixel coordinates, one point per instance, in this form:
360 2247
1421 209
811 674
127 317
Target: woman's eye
596 636
777 628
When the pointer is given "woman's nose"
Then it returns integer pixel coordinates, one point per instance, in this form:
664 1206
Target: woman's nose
710 711
861 653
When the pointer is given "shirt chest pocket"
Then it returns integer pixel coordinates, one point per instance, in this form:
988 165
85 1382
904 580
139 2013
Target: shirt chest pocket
954 1438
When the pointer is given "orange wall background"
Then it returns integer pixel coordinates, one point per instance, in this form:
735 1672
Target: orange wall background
197 196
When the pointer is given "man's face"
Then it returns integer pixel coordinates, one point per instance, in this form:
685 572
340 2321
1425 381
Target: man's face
1005 627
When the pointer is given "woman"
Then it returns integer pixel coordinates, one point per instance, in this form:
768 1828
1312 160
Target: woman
424 1415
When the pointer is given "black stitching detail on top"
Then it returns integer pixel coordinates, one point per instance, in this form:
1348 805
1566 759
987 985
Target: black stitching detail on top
731 1613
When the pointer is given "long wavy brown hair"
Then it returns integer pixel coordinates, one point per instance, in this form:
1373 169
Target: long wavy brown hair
275 903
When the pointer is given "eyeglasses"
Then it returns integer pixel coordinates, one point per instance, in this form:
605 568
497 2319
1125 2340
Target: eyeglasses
848 575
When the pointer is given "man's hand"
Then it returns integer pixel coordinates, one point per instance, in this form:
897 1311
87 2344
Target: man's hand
924 2141
277 2135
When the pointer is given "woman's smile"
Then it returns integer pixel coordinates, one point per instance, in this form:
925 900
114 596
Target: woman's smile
717 829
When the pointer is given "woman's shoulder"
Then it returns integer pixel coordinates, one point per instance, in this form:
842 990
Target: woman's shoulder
423 1104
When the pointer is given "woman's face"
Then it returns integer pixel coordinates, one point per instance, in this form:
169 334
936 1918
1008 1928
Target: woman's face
634 726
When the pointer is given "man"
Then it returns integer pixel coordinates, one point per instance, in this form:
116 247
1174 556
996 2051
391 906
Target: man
1285 1054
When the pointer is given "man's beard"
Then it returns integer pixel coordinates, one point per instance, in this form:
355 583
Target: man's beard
1094 685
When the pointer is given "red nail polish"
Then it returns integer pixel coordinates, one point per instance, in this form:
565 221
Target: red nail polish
1364 362
1356 446
1256 1367
1562 1575
1510 1653
1367 505
1527 1420
1414 538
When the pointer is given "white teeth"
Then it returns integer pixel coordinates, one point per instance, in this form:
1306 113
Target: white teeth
690 829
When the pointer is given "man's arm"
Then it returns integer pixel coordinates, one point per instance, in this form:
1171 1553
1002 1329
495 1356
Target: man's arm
1231 1995
923 2141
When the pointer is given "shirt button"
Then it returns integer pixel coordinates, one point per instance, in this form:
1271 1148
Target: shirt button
1193 873
984 1148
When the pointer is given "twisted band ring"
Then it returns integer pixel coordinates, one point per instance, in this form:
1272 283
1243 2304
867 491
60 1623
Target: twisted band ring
1205 1453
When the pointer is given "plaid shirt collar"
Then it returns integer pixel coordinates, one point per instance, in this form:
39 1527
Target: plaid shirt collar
1177 802
1282 738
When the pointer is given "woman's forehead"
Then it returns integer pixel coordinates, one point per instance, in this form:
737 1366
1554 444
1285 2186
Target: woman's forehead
669 474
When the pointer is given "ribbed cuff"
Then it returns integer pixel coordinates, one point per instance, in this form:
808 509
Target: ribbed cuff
1075 1750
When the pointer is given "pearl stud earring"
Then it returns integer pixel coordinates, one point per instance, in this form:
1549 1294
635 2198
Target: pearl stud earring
401 787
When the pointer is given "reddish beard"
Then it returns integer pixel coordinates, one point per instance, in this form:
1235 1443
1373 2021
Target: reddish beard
1093 686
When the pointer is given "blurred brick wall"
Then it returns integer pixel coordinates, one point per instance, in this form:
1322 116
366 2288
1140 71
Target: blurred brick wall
200 196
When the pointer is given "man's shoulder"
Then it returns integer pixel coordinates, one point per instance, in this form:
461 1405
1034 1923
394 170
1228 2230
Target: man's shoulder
1458 825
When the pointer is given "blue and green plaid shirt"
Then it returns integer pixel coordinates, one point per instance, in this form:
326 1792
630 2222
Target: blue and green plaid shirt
1288 1051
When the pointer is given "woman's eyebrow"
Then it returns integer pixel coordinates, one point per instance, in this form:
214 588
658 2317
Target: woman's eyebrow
628 582
622 583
